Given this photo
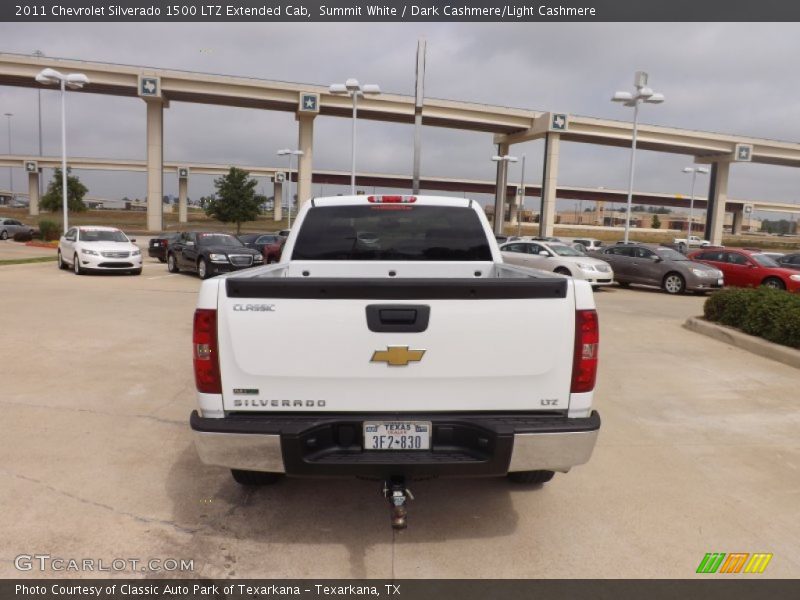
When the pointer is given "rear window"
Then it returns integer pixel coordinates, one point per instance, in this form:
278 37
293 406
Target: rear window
392 232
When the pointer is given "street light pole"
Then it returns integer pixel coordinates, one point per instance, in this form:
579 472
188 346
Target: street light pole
73 81
353 147
64 196
39 54
694 171
10 169
642 94
521 207
354 89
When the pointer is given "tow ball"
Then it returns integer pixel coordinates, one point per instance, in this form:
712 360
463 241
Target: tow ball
396 492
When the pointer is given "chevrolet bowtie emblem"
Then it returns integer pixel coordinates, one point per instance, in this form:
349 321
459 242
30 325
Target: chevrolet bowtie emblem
397 356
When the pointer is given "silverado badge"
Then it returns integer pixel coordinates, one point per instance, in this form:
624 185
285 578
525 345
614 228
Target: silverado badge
397 356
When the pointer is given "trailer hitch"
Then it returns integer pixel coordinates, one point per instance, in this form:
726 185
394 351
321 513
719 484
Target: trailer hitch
396 492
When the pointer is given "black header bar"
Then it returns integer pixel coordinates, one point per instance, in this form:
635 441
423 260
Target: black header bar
399 11
733 588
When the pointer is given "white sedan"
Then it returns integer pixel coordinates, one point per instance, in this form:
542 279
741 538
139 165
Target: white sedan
90 248
559 258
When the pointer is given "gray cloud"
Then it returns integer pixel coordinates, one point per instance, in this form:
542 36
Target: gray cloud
733 78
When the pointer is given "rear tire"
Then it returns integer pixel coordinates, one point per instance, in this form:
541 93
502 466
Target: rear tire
61 263
254 477
774 283
530 477
4 235
673 283
162 260
172 264
623 284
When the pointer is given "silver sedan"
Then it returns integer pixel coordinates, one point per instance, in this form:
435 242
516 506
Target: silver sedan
8 227
559 258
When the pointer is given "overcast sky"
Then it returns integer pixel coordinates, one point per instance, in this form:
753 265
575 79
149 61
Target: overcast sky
731 78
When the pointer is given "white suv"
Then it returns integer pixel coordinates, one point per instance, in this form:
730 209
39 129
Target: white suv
91 248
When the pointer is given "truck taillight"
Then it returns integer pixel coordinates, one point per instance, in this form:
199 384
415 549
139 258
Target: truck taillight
206 353
391 199
587 344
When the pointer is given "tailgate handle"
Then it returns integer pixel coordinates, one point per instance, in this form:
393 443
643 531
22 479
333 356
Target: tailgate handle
398 318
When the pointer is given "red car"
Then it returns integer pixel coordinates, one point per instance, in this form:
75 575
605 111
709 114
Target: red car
749 268
269 244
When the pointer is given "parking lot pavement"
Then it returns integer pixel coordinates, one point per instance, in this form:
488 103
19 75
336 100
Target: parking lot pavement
698 453
11 250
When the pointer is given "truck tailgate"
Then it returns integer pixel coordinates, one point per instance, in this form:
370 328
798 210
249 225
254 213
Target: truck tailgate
307 345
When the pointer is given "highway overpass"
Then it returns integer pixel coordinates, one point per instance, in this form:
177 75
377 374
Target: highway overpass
185 170
508 126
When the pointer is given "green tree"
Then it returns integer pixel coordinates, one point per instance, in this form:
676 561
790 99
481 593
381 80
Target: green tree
656 222
52 200
235 200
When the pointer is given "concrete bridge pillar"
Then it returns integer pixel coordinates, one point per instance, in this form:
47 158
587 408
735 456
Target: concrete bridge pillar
277 203
547 217
155 158
738 217
501 190
183 197
717 196
305 162
513 216
33 193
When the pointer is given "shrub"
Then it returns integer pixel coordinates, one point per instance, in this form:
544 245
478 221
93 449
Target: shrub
23 236
768 313
50 230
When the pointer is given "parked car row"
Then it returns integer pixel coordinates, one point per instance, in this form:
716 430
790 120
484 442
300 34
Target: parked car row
94 248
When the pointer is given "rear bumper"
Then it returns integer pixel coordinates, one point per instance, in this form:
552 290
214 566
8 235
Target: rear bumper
698 284
467 445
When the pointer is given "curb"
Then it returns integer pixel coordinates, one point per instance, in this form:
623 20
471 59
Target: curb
734 337
35 244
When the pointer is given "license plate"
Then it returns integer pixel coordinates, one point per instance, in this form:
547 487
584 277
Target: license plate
719 282
397 435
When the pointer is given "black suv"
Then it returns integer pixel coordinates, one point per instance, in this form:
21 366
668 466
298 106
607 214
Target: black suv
210 254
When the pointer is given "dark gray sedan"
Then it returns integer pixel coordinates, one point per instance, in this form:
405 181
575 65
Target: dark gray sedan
661 267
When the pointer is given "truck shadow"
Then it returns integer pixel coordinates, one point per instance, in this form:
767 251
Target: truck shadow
346 512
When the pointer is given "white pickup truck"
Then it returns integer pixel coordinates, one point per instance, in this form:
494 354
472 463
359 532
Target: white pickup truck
405 349
693 241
